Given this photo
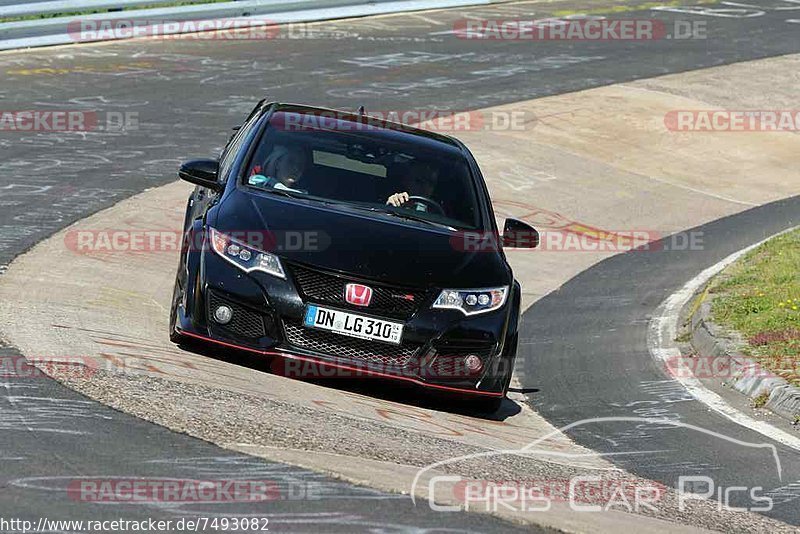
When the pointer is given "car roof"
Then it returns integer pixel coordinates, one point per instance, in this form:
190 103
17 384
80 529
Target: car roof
377 127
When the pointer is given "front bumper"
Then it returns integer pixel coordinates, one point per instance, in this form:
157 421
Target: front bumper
268 314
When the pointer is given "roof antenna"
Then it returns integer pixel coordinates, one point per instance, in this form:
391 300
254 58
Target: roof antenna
362 111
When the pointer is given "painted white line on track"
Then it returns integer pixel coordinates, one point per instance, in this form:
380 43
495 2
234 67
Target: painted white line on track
662 332
702 192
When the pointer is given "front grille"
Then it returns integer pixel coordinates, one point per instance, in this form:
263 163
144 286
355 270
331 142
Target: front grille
349 348
245 323
388 301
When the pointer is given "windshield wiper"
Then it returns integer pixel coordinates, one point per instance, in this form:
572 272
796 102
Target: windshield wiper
283 192
409 216
297 194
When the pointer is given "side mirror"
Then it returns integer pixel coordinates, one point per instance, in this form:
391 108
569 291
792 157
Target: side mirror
519 234
202 172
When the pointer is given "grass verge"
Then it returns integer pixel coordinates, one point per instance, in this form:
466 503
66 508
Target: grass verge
759 297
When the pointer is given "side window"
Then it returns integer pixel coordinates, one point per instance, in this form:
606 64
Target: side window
233 147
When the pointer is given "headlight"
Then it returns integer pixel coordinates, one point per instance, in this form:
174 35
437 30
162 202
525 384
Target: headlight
244 256
472 301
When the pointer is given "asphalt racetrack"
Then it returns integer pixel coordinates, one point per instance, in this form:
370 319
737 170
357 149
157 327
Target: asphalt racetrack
584 345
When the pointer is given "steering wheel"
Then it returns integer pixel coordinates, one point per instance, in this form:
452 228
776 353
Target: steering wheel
431 204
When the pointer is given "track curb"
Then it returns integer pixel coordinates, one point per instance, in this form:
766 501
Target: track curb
710 340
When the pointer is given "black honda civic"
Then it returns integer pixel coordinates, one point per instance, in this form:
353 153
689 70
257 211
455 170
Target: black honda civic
345 245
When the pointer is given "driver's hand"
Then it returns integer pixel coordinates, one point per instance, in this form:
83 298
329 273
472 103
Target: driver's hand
398 199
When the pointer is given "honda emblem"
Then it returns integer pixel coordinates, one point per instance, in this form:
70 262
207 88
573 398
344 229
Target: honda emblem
358 295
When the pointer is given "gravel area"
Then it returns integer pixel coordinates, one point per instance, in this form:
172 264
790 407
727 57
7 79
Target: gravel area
206 413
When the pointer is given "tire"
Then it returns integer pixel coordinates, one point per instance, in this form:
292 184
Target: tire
489 406
174 336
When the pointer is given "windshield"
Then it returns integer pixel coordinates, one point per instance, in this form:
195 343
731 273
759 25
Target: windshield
424 181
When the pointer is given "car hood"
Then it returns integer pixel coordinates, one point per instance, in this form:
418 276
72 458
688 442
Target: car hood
361 244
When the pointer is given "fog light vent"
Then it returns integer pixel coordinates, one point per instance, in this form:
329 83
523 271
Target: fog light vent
223 314
473 363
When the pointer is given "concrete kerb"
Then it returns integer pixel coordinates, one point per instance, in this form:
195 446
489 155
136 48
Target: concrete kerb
750 378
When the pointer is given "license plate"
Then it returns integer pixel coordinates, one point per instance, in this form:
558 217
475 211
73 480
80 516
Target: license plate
353 325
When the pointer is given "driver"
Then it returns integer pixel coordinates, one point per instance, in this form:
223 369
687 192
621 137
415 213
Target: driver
283 169
420 180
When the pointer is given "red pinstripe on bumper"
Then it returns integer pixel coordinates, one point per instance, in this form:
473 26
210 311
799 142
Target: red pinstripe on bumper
369 372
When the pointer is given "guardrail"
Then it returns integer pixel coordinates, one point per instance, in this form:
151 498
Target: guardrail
52 29
8 10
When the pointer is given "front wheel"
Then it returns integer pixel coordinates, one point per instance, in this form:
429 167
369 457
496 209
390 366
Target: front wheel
492 404
489 406
174 336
